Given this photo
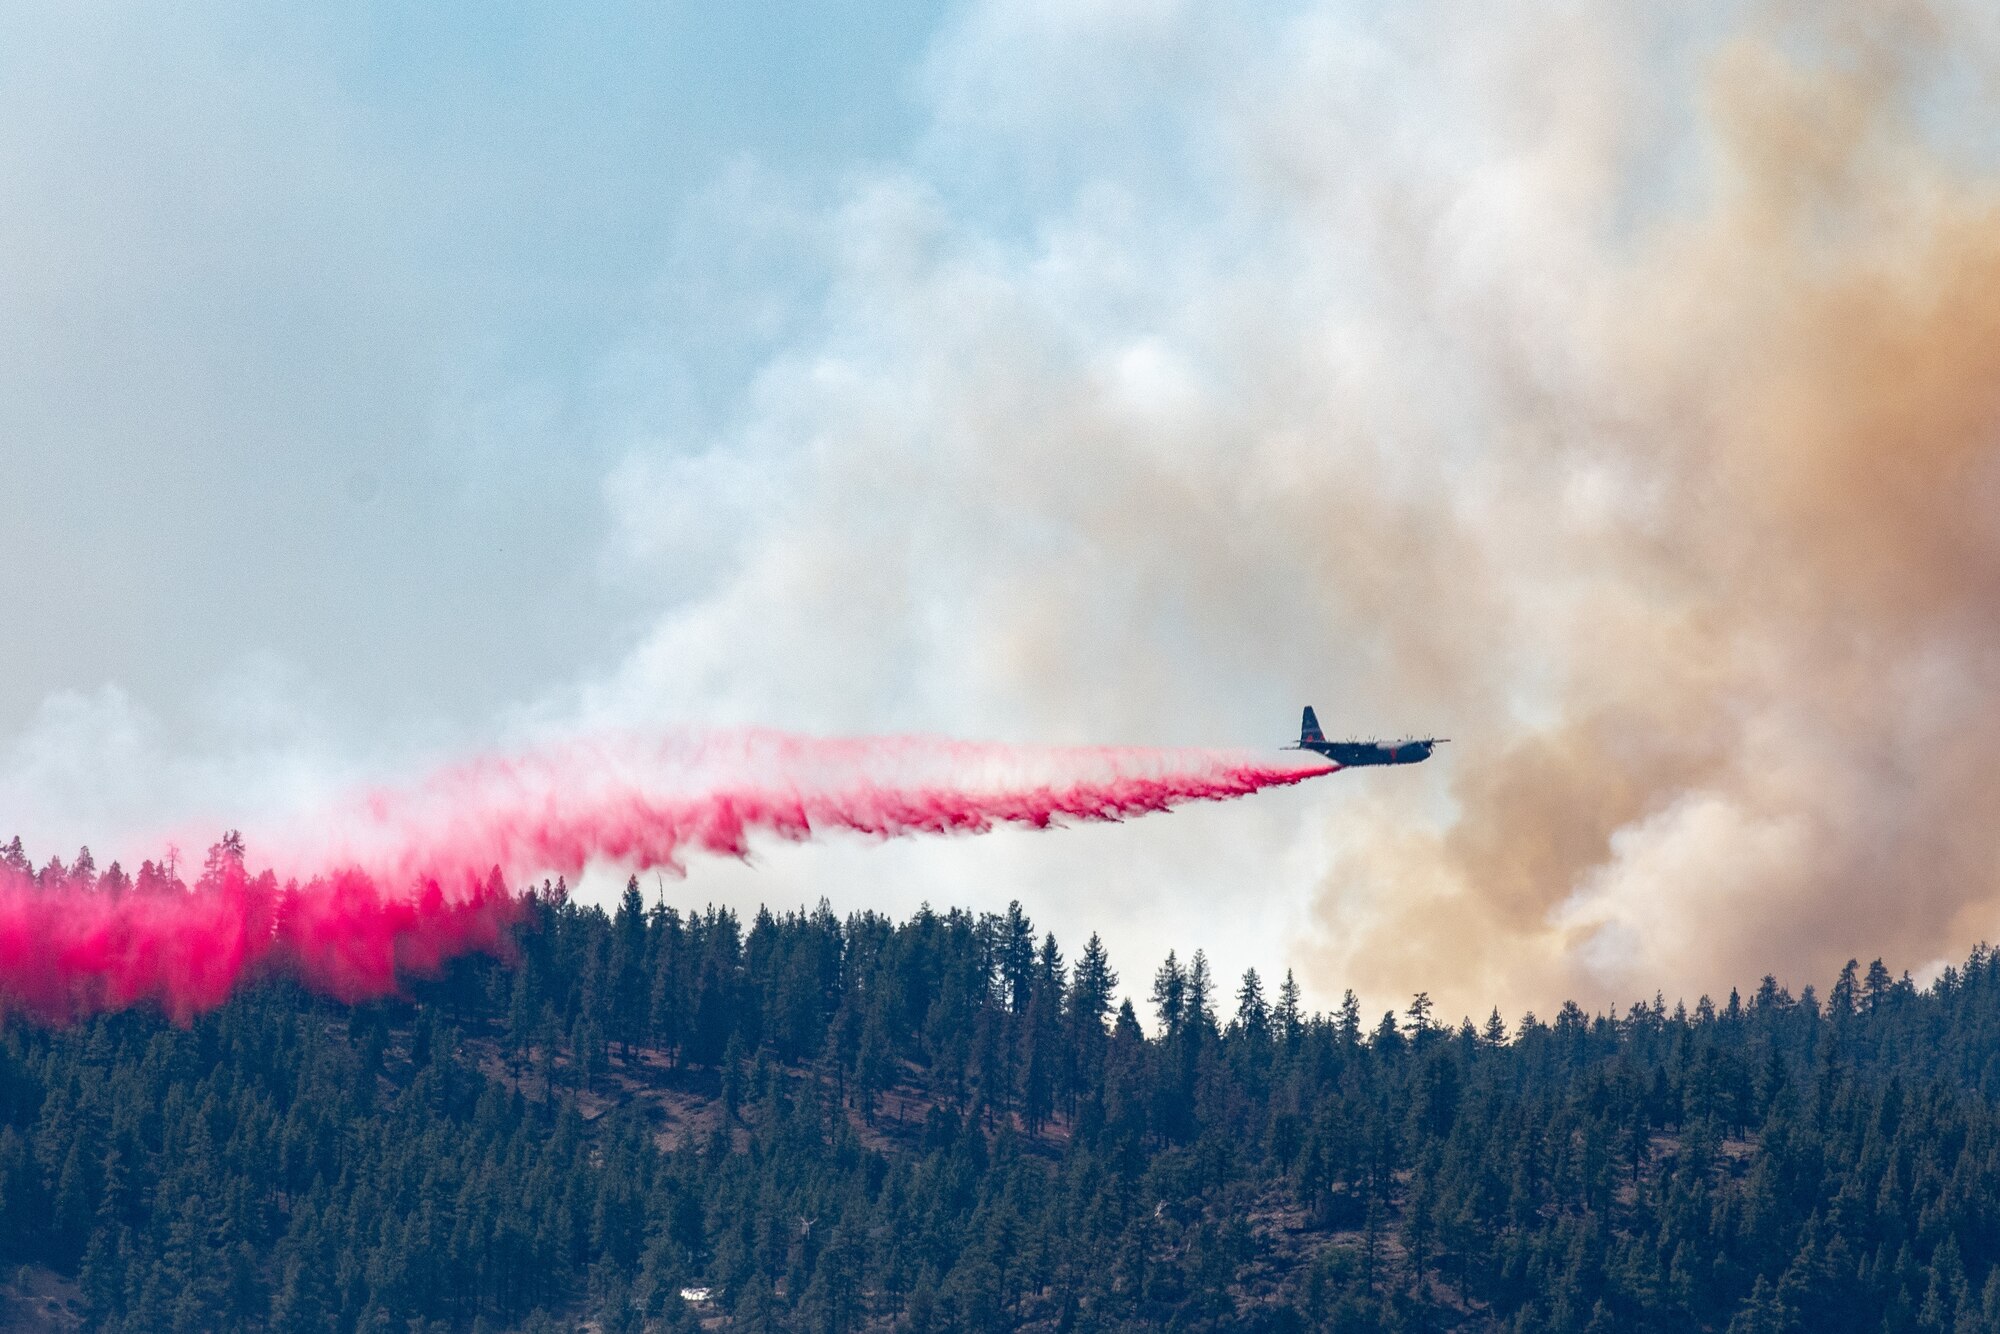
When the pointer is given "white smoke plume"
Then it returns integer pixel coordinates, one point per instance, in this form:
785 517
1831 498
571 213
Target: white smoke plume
1617 394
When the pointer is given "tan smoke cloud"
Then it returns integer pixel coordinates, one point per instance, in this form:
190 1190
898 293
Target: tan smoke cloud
1769 743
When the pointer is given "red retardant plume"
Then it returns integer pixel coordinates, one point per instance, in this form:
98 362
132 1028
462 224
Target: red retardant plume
398 881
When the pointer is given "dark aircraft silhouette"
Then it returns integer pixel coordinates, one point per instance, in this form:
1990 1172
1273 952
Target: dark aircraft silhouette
1353 754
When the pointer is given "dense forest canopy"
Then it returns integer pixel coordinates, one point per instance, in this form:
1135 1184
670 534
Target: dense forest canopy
650 1120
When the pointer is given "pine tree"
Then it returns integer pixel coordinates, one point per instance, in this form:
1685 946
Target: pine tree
1387 1038
630 998
873 1062
1348 1020
1093 984
1878 986
1419 1015
1017 957
1170 994
1198 1007
1253 1017
1289 1020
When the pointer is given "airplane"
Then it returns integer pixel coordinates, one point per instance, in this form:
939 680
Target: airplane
1353 754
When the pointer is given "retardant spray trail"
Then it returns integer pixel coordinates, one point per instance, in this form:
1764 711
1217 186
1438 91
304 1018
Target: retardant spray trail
398 880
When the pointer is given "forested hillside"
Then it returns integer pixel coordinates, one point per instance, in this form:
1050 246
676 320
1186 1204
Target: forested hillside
950 1124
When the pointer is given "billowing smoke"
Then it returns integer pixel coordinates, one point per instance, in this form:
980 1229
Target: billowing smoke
1747 540
1613 389
397 881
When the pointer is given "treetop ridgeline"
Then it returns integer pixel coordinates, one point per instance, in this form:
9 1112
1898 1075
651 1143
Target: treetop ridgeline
649 1120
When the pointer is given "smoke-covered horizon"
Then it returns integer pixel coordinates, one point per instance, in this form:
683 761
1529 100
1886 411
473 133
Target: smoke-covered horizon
1615 393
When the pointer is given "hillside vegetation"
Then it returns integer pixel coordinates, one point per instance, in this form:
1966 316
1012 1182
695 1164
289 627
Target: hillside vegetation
947 1124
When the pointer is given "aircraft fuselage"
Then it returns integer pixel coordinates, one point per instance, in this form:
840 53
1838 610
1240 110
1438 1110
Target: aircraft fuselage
1354 754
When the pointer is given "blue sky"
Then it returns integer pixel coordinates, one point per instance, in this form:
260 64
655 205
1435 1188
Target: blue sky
312 310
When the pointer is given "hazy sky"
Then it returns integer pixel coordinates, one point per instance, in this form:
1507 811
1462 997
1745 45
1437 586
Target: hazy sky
324 325
1612 393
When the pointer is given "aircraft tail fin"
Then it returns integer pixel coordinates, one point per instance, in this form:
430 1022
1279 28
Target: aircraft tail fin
1309 728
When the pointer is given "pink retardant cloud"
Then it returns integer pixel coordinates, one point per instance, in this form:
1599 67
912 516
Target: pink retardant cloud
397 881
